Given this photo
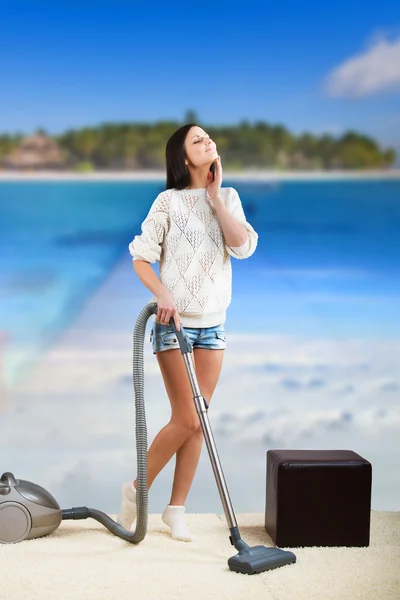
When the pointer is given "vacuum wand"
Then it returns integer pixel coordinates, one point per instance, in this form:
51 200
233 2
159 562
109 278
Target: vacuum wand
201 408
249 560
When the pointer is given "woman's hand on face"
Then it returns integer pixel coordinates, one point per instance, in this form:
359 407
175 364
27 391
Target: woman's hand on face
214 187
167 309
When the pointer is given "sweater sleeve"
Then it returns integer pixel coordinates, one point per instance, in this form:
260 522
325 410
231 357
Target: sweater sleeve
148 245
234 206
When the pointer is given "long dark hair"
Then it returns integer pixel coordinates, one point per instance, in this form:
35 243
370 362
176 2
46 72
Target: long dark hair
178 175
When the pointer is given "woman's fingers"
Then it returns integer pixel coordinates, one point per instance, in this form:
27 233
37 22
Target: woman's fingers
175 316
219 167
164 315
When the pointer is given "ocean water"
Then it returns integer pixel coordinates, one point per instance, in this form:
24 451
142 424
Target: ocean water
327 263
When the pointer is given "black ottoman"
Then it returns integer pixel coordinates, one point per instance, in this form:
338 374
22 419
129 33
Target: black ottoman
318 498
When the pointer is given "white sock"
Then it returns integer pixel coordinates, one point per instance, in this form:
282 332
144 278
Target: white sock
174 517
127 512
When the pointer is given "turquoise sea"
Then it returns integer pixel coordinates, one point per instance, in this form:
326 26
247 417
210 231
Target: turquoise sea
328 260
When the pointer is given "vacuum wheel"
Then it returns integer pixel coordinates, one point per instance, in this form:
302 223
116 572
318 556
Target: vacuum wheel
15 522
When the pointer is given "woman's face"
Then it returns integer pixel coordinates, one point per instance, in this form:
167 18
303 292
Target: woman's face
199 147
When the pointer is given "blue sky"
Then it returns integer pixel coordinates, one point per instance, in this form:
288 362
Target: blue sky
70 64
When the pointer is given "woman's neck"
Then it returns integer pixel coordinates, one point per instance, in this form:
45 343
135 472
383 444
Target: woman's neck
198 178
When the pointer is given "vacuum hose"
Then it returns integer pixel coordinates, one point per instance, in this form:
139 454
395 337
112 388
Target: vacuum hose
141 446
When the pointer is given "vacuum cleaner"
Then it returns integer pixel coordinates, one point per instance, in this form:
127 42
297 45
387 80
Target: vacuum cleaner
29 511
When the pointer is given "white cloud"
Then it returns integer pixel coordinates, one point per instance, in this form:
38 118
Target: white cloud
75 415
101 363
375 70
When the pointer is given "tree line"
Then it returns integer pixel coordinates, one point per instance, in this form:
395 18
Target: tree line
259 145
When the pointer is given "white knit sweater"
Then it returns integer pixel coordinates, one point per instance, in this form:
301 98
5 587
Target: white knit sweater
182 231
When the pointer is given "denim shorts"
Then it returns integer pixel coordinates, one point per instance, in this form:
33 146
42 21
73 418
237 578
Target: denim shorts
163 337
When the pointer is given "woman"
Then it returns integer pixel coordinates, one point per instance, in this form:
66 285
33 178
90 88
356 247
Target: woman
192 229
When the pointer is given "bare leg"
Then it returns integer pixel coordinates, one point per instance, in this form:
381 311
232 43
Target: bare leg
182 435
183 424
184 420
208 369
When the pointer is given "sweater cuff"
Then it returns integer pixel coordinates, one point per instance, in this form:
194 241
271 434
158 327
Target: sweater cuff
246 249
241 250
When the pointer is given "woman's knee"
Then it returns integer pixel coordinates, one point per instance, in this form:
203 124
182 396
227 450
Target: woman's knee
199 430
196 430
188 424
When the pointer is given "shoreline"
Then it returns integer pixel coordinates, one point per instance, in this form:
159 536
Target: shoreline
255 175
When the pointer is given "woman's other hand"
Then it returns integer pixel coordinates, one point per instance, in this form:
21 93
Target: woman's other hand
167 309
214 187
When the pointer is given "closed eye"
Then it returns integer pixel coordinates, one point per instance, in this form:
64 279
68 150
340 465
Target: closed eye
206 137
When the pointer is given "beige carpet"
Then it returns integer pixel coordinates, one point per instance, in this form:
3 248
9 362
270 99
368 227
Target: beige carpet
82 561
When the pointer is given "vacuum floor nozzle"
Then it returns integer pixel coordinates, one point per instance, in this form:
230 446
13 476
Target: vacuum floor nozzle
256 559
